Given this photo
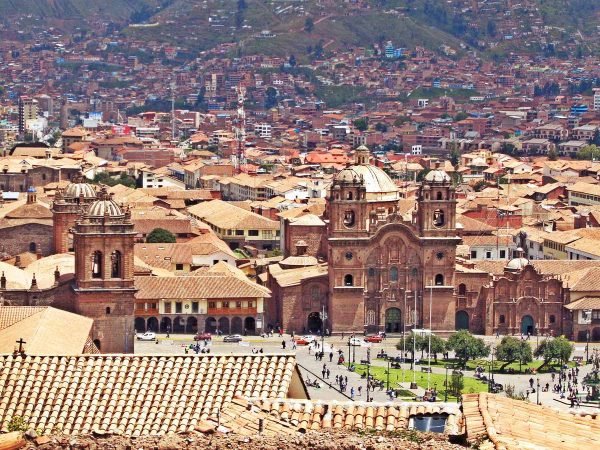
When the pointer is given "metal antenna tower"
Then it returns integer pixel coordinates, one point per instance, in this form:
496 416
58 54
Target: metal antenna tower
240 128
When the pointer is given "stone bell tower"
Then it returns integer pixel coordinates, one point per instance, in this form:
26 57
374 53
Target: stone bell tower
67 207
103 239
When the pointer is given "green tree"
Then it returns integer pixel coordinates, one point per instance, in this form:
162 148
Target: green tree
401 120
466 346
410 342
558 349
160 235
380 126
479 186
454 154
552 154
508 148
309 24
292 61
438 345
270 97
596 138
512 349
361 124
460 116
457 383
589 152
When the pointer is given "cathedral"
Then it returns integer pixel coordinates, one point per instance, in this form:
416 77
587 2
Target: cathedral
386 268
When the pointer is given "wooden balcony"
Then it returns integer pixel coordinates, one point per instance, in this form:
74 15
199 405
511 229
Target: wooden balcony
231 311
146 312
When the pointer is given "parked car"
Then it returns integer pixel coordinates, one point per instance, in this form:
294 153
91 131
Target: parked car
232 338
147 336
203 337
356 342
375 338
302 341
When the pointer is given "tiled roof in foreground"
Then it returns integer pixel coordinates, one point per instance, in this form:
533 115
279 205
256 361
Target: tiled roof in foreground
279 416
133 395
515 424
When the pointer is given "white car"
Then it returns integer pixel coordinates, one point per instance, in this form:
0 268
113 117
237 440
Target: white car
356 342
147 336
308 338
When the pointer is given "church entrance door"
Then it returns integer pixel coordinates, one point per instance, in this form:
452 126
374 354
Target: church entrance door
527 325
393 320
314 324
462 320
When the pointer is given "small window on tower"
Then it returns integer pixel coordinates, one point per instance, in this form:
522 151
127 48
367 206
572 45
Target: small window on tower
97 264
438 218
348 280
439 195
349 218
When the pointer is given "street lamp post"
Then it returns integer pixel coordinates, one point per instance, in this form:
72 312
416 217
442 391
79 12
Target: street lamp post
348 352
430 331
368 384
538 390
446 390
323 319
353 353
587 346
388 376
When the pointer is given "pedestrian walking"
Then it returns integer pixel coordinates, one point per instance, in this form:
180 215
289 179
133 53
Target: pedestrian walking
283 345
330 356
359 391
328 372
323 372
351 393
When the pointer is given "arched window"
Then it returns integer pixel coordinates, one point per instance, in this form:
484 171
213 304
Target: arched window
439 195
32 247
348 280
462 289
439 279
108 310
115 264
349 195
393 273
97 264
502 318
349 218
438 218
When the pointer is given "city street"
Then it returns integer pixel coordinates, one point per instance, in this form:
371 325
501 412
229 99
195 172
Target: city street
312 369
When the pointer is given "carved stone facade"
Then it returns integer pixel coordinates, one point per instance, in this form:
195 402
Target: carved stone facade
384 270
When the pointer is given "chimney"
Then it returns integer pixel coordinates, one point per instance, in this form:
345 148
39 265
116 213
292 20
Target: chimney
18 262
56 275
2 281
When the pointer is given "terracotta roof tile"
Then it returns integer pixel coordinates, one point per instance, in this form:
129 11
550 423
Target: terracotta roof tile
133 395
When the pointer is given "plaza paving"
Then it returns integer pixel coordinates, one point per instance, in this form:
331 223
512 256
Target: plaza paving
312 369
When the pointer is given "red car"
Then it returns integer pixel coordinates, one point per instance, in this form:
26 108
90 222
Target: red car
375 338
302 341
203 337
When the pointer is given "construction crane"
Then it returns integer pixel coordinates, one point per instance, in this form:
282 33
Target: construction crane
239 128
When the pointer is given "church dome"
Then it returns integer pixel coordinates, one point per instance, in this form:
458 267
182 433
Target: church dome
437 176
78 188
517 263
378 184
104 206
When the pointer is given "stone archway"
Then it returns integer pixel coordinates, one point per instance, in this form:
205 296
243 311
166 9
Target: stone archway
250 324
393 320
191 326
139 324
166 325
178 325
527 325
314 323
236 325
224 325
462 320
152 324
210 325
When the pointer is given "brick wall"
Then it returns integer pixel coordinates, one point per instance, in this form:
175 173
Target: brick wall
17 239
